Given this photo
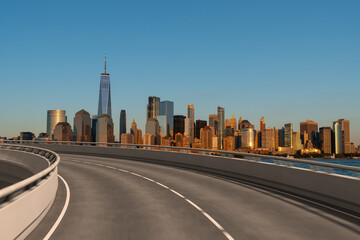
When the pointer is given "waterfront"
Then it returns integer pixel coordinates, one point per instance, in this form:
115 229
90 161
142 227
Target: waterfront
346 162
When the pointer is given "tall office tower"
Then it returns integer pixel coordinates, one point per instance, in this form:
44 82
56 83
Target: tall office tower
105 129
239 123
311 128
296 136
233 122
227 123
152 127
206 136
237 136
140 138
166 112
337 137
93 127
342 137
288 130
191 116
199 125
262 124
104 94
325 140
153 107
82 126
63 132
268 138
122 129
248 138
276 138
179 124
281 134
221 127
213 122
187 128
53 118
127 138
134 131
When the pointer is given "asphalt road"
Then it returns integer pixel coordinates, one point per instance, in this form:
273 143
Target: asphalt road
122 199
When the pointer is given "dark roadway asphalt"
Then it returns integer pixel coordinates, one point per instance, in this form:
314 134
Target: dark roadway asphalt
107 203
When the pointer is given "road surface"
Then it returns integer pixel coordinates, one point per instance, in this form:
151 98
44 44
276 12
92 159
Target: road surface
121 199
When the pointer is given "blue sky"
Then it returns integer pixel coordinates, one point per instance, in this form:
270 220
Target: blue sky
287 61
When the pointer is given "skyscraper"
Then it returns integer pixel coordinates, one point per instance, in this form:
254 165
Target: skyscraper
63 132
288 130
167 111
325 140
122 123
221 127
342 137
134 131
105 129
191 116
199 125
53 118
179 124
233 122
213 122
82 126
153 107
311 128
104 94
262 124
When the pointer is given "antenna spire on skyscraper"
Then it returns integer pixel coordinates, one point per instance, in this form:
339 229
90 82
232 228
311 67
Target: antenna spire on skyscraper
105 63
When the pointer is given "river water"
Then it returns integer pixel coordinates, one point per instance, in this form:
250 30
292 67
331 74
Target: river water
347 162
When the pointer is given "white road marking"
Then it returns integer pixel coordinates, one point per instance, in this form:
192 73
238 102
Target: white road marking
56 224
226 234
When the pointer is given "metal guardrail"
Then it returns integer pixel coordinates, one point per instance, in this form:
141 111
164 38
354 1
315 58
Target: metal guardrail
11 191
313 165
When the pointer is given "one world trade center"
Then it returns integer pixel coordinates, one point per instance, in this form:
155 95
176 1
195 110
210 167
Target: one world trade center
104 94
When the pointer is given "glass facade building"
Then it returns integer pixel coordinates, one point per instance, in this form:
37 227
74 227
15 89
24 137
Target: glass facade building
104 94
122 123
167 113
153 107
53 118
221 127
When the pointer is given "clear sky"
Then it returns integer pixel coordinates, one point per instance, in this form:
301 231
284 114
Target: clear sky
285 60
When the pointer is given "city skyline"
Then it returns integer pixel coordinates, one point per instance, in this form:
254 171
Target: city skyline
225 57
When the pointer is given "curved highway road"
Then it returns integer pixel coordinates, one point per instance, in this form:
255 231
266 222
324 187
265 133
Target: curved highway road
122 199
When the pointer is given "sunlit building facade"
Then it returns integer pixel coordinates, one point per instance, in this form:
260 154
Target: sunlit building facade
105 129
53 118
288 130
248 138
63 132
153 107
221 127
325 140
191 116
82 126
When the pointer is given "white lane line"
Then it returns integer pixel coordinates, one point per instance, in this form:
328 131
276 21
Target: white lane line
56 224
194 205
162 185
177 193
218 226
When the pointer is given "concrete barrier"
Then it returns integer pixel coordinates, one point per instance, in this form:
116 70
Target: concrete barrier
25 203
331 189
